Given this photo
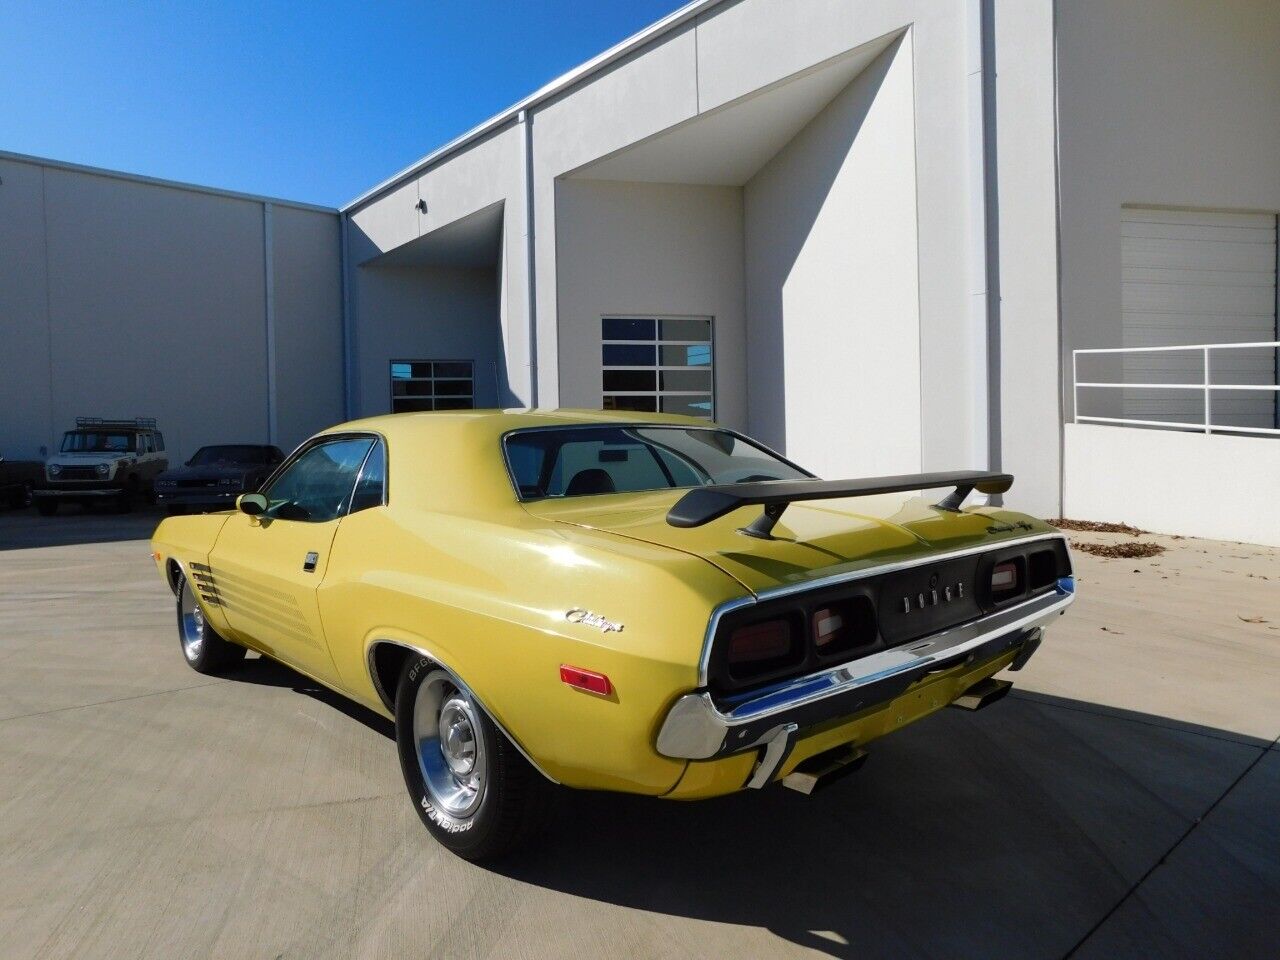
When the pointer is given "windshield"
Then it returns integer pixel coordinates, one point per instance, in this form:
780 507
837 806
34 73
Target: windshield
98 441
231 453
578 461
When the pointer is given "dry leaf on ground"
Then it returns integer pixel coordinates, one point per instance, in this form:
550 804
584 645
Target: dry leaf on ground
1094 526
1130 550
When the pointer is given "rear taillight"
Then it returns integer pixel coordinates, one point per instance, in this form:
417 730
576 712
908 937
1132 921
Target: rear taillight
828 627
760 643
1006 580
843 626
1043 569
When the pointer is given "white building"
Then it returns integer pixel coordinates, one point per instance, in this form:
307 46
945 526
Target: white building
869 232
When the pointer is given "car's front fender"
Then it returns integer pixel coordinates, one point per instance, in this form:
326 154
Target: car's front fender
183 541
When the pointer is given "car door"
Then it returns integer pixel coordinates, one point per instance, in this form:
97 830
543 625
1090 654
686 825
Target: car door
268 567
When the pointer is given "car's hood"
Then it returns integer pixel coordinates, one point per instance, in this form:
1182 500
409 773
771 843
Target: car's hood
221 471
811 540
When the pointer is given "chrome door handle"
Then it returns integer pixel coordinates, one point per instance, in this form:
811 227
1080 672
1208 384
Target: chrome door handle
310 561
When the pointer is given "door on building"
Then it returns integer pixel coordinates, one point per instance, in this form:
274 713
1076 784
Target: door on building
1194 276
268 568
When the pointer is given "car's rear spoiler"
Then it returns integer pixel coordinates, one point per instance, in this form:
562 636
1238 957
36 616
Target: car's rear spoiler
704 504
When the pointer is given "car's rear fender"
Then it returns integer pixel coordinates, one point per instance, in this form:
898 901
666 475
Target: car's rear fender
490 604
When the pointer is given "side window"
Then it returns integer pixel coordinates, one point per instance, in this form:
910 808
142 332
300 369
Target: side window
372 482
159 442
148 445
316 487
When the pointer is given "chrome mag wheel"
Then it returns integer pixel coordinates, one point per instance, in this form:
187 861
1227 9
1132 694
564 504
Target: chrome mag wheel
191 624
449 740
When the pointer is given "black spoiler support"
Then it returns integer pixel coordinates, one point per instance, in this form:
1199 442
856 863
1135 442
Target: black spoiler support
704 504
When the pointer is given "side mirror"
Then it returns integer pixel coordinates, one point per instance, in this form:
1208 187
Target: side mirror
254 504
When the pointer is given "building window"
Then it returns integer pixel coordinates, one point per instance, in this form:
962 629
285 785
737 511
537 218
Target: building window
431 385
658 364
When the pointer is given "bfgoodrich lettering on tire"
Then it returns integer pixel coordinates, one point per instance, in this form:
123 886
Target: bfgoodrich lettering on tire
472 788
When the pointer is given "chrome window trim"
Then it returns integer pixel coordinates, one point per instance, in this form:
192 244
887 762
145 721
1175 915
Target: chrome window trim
786 590
382 501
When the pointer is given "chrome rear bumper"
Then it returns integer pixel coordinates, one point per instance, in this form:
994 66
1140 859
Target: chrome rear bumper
697 729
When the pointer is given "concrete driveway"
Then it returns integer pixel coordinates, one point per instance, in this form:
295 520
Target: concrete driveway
1123 802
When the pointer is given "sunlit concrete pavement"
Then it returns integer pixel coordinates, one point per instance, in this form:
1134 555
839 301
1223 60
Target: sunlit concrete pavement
1125 801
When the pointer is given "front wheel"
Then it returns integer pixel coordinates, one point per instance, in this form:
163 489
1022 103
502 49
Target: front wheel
205 651
475 792
47 506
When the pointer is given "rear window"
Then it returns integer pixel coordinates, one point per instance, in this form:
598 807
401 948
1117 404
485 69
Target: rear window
583 461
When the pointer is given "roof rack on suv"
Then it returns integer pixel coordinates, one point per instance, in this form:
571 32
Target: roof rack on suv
137 423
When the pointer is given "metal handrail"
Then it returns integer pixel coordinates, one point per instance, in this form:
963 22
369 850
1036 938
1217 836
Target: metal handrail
1206 385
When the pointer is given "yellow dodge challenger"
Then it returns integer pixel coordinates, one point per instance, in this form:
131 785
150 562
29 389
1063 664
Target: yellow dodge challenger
611 601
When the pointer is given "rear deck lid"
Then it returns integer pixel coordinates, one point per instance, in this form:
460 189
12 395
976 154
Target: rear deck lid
811 541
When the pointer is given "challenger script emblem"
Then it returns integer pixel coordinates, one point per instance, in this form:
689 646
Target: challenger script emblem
586 617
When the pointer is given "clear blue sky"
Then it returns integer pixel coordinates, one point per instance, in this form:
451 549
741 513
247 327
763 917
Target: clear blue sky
306 101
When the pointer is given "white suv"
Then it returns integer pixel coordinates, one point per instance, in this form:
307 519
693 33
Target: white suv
114 461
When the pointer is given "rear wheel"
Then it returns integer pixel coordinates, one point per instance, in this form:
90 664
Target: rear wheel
204 649
475 792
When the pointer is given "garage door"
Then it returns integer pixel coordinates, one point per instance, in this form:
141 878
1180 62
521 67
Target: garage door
1197 277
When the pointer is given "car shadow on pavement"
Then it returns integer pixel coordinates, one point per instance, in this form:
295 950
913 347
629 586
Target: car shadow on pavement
271 673
1039 827
1016 831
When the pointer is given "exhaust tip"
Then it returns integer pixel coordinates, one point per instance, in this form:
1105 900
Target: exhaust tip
982 694
824 769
